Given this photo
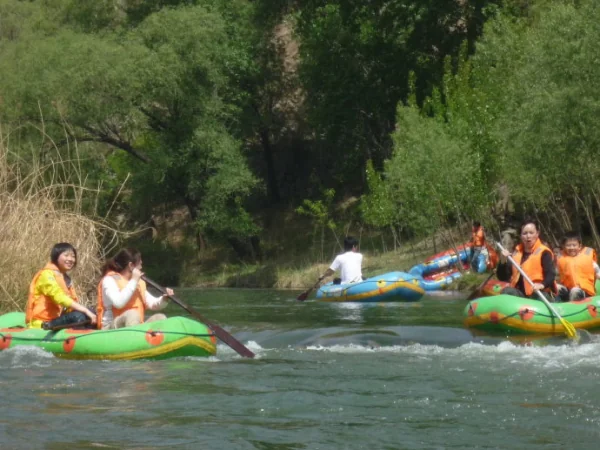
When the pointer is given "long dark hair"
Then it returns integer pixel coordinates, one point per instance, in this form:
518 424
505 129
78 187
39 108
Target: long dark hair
121 260
59 249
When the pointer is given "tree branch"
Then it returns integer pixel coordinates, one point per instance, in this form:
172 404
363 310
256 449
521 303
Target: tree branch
98 136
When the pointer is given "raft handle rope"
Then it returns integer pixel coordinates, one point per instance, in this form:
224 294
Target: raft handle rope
151 332
537 313
351 285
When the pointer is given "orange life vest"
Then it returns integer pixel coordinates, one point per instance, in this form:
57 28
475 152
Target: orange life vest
578 271
532 266
41 307
135 302
478 237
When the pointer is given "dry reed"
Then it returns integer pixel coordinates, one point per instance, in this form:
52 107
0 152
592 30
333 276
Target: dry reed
40 206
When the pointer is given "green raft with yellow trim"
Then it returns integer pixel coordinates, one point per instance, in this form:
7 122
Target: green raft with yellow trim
170 338
508 315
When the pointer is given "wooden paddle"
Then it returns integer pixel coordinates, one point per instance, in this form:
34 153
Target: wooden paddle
477 291
68 325
304 295
219 332
52 331
570 330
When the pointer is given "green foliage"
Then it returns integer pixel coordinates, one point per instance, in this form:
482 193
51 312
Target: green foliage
518 117
377 206
433 178
356 59
166 91
431 175
320 211
94 16
191 101
539 73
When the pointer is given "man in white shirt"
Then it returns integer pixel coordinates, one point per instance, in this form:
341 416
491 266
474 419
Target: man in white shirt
349 263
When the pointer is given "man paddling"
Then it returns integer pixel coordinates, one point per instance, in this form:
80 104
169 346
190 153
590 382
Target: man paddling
348 263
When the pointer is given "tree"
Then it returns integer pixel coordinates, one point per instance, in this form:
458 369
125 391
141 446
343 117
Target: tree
165 92
355 62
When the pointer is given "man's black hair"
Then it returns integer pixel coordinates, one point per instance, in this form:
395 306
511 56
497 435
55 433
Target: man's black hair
350 243
570 235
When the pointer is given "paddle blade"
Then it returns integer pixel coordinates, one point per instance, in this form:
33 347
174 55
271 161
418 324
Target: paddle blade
477 292
302 296
220 333
232 342
570 330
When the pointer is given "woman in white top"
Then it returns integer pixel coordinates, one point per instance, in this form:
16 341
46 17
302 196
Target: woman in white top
122 295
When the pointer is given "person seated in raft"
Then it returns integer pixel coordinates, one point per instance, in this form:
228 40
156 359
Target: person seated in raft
577 269
349 263
51 293
536 260
122 295
477 243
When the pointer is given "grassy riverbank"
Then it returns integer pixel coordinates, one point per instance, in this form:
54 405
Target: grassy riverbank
303 271
40 206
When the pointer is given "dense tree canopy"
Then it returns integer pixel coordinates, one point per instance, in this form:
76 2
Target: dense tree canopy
164 92
434 112
517 116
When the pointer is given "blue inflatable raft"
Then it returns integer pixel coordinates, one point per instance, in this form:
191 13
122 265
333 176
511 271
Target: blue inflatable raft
448 260
439 281
440 270
388 287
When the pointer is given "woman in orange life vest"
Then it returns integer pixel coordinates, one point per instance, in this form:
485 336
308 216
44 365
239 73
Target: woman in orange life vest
477 242
122 295
577 269
536 260
51 292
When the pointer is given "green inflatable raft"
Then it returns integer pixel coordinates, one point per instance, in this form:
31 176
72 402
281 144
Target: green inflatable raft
173 337
516 315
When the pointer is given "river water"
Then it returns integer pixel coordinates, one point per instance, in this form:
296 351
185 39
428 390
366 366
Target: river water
326 376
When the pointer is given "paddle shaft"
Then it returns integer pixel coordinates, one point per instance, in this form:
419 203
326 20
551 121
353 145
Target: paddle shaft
478 290
304 295
223 335
539 294
68 325
54 330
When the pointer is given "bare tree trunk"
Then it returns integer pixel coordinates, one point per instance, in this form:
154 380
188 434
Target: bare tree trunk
200 242
587 209
454 247
394 236
322 243
545 231
564 219
589 212
272 184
